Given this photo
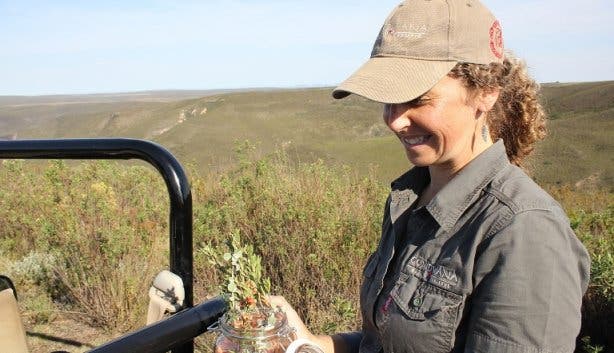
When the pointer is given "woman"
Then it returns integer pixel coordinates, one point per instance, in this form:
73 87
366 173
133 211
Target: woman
474 256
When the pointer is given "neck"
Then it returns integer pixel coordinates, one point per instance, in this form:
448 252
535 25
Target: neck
441 174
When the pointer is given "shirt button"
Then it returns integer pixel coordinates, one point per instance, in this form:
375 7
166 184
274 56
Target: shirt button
417 301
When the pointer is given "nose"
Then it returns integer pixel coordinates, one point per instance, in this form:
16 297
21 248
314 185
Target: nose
395 116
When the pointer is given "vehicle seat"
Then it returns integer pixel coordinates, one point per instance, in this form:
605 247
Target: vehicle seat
12 332
166 296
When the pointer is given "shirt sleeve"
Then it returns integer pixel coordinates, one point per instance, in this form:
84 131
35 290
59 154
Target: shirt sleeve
529 279
351 340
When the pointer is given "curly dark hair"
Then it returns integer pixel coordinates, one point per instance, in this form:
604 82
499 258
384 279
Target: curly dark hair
517 117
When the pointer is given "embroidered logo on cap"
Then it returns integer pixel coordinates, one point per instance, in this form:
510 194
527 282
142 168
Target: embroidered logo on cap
496 39
408 31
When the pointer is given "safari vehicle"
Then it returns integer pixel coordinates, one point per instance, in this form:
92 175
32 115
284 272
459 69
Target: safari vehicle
172 291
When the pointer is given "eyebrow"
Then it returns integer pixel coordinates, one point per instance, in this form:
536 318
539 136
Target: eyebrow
421 97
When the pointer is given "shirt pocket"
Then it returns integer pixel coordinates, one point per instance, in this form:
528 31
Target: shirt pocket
420 300
426 313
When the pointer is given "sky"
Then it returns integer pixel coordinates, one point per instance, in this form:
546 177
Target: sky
74 47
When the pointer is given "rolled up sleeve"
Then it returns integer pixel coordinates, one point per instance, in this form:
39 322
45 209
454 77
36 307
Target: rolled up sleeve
529 279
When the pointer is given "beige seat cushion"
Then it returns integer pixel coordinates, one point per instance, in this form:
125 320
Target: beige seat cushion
12 333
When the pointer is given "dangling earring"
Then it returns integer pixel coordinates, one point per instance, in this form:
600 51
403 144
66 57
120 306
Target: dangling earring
485 133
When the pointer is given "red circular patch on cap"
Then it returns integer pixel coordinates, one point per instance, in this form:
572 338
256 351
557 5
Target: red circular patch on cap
496 39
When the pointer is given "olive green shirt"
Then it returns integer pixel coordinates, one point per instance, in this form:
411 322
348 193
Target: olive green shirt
490 264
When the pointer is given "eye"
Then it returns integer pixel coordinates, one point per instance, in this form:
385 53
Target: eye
418 102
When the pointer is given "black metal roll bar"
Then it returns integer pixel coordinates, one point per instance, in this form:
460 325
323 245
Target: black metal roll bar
178 331
161 336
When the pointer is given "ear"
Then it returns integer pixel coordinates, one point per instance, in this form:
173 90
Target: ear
486 99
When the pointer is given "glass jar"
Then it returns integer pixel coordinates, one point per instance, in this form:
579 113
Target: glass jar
266 338
302 345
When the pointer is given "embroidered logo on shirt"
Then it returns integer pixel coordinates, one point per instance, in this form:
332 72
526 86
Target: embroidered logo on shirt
438 275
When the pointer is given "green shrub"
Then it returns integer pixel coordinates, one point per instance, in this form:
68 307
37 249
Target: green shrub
299 219
89 237
591 214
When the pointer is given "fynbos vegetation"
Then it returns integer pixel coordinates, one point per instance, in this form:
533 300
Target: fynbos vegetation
85 241
243 287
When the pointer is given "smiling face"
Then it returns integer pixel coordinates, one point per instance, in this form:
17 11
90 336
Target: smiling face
441 128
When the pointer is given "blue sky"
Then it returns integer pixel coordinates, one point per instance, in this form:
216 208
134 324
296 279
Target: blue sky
53 47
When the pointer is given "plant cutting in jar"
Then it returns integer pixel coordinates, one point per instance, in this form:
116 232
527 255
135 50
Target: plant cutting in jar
251 324
245 289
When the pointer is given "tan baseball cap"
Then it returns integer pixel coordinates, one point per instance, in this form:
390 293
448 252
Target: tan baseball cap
420 42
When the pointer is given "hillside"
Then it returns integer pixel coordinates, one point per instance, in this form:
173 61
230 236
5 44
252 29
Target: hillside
308 124
299 217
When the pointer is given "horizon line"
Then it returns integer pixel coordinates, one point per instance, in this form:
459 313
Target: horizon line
219 90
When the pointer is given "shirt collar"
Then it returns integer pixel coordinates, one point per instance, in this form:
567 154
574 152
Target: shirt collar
460 192
406 189
456 196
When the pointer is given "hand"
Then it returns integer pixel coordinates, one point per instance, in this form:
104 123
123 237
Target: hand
294 319
327 343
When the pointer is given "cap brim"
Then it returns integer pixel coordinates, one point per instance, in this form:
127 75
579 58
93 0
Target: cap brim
393 79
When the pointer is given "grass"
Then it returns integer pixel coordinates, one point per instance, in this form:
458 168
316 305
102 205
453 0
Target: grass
298 220
310 125
561 99
298 217
74 239
578 150
305 191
